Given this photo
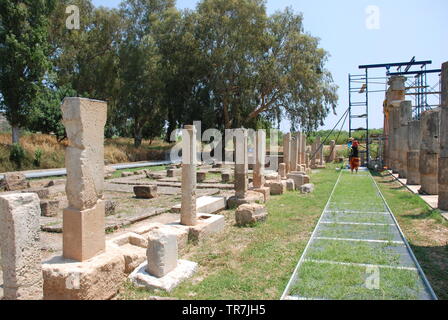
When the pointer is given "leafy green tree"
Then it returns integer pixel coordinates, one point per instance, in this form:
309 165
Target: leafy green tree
140 63
24 52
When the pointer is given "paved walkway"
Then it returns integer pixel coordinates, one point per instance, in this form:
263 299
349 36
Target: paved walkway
358 251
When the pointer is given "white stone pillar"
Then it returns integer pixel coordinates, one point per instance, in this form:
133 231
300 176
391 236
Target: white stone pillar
83 221
294 152
241 163
259 179
20 246
287 151
189 160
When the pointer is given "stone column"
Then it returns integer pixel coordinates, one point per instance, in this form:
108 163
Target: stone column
241 166
443 160
413 156
394 96
189 161
287 151
20 246
405 118
294 152
259 178
83 220
429 151
332 155
303 150
313 155
320 151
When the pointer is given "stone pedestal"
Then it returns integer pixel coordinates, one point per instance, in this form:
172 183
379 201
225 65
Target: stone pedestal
188 207
83 232
248 214
161 253
20 246
282 170
83 220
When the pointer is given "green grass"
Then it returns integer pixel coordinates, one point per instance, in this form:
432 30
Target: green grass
425 229
257 262
327 281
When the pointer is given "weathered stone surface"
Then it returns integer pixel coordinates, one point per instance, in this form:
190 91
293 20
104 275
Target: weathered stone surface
241 163
208 224
260 159
189 164
145 192
265 191
84 235
42 193
272 176
277 187
413 163
206 204
251 197
307 188
162 253
127 174
250 213
429 173
287 151
14 182
443 184
172 173
49 208
201 176
181 232
282 170
295 145
290 185
99 278
84 121
20 246
299 179
226 177
184 270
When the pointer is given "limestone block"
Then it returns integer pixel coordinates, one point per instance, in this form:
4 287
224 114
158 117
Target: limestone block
273 176
299 179
307 188
265 191
208 224
145 192
189 178
277 187
162 253
429 173
20 246
126 174
14 182
413 164
99 278
84 121
226 177
173 173
49 208
430 130
184 270
42 193
84 235
251 197
108 172
290 185
250 213
282 170
201 176
179 231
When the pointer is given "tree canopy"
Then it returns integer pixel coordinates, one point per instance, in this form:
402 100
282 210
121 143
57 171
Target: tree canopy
227 63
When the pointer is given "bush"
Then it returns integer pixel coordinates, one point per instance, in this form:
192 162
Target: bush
17 155
37 157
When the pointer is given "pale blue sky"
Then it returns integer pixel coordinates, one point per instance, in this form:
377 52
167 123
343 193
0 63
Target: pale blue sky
407 28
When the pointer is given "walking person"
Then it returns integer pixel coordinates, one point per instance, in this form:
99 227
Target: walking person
354 155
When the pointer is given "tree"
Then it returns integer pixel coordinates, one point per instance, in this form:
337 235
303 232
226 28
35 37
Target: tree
139 66
24 51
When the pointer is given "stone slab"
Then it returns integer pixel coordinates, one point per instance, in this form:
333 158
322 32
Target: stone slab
141 278
206 204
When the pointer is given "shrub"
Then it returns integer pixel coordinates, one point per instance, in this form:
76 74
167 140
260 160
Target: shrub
17 155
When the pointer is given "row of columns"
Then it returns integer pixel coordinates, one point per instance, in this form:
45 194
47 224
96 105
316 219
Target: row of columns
417 150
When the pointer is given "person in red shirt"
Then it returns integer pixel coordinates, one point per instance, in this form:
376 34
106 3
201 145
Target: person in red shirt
354 155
